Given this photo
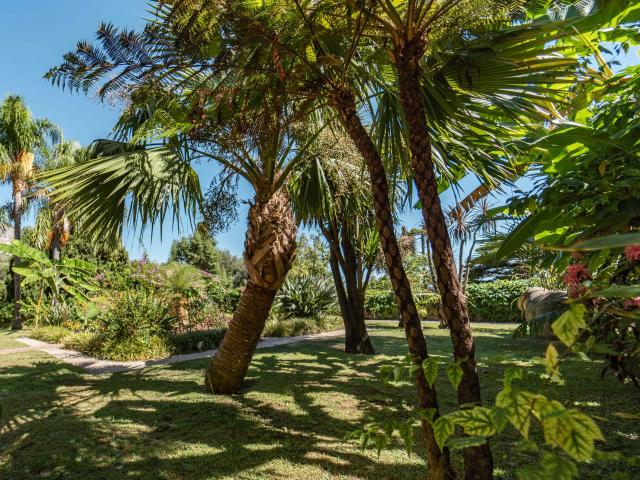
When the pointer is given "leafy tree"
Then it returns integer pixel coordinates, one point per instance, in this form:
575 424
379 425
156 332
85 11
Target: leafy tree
199 250
21 138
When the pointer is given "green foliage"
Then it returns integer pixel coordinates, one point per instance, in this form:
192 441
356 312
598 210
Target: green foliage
312 258
134 327
488 302
496 301
291 327
382 304
224 296
198 250
196 341
306 296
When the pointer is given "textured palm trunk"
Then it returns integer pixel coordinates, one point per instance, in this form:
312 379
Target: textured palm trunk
56 235
18 188
478 460
269 251
348 278
439 462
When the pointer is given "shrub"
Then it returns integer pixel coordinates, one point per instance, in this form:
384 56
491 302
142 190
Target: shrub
225 297
50 334
291 327
382 304
6 312
135 327
306 296
197 341
496 301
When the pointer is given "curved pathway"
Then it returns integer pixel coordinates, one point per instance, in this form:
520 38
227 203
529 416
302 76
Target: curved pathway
96 366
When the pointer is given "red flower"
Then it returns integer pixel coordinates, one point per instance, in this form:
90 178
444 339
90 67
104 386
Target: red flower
632 252
632 303
573 278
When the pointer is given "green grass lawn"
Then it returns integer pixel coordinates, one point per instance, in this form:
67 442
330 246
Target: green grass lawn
8 339
289 422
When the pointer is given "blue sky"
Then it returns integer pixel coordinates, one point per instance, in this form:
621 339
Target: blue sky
34 34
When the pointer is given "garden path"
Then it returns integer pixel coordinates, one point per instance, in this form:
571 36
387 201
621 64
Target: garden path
96 366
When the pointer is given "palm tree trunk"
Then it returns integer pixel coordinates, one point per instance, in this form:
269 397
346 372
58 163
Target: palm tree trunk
18 187
478 460
344 103
56 235
269 251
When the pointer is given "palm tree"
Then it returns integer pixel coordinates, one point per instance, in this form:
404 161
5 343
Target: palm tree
236 119
331 193
52 225
178 280
21 138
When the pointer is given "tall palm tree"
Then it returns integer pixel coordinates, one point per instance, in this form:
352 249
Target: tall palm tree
22 137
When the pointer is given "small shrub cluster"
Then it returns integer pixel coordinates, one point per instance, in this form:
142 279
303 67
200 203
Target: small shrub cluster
306 296
291 327
382 304
496 301
488 302
197 341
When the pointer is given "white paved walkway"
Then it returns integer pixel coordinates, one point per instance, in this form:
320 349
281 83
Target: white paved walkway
96 366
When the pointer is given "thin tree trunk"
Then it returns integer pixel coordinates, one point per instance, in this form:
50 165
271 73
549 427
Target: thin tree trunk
359 341
18 187
56 236
350 294
269 251
478 460
460 257
467 265
439 462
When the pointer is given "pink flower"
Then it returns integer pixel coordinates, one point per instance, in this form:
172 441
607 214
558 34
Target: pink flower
632 252
573 278
632 303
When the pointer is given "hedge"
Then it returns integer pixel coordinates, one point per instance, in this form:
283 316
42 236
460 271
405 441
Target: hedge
488 302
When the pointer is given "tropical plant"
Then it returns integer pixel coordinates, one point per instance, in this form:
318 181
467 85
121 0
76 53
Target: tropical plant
22 138
52 226
181 281
306 296
67 278
331 193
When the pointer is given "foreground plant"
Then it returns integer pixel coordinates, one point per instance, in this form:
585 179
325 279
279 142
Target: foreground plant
67 278
21 138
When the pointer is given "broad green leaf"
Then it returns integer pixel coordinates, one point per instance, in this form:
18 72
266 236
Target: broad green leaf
454 372
476 421
552 361
571 430
430 368
610 241
519 405
530 472
557 467
406 433
568 325
443 428
511 374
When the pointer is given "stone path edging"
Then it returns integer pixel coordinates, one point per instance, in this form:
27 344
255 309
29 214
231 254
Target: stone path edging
96 366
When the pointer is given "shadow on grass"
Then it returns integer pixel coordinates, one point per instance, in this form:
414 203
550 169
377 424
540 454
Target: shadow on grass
288 422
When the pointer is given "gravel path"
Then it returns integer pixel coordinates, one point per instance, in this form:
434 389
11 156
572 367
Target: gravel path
96 366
